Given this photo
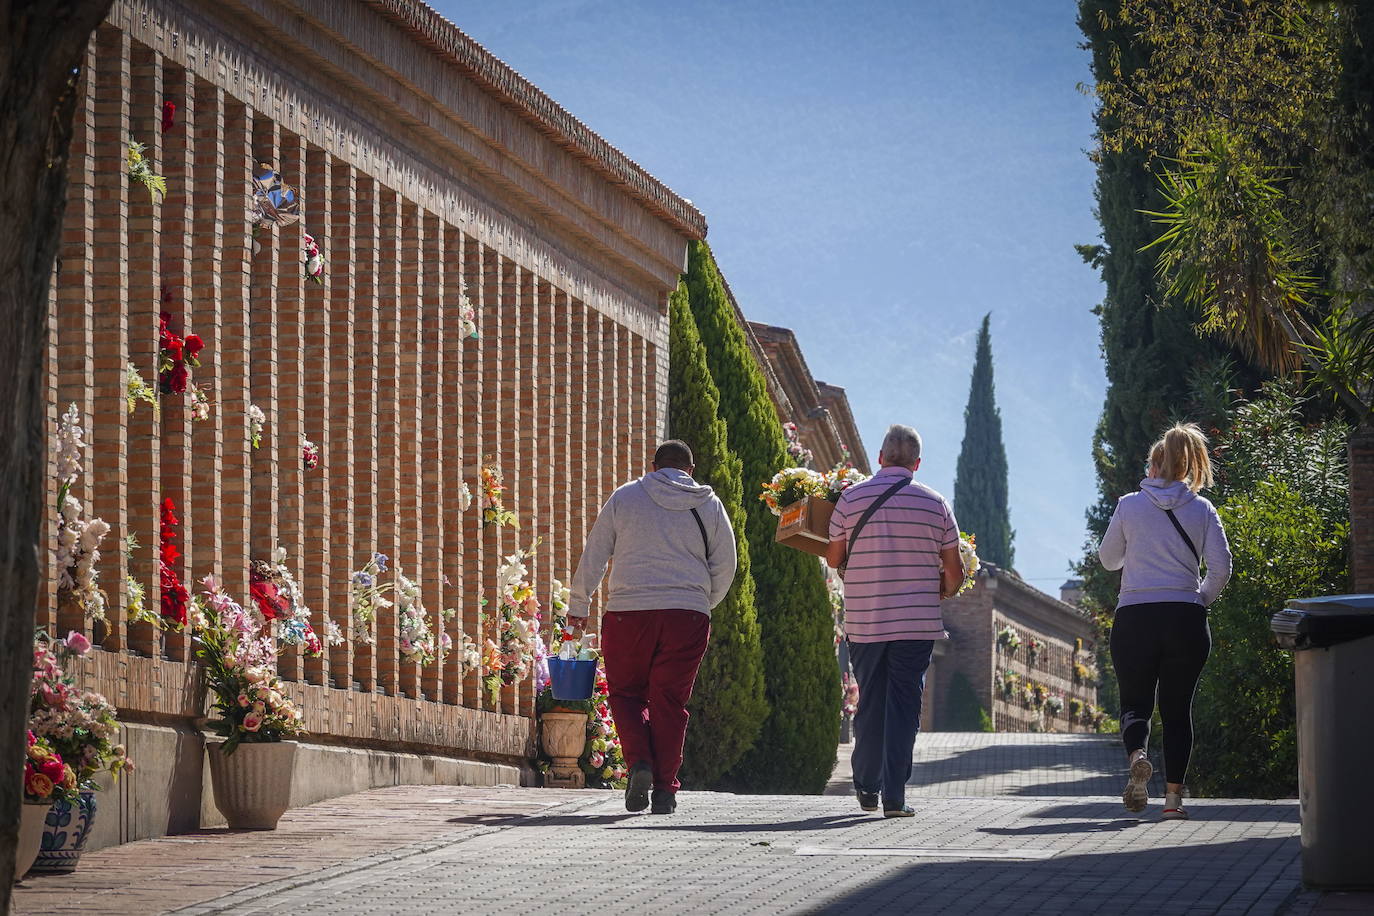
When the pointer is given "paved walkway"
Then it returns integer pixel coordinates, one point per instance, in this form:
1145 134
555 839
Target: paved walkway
445 849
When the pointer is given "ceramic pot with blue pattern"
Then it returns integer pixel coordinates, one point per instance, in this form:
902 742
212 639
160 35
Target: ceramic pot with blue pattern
64 835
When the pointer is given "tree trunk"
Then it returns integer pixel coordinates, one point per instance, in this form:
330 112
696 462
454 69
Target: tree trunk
43 47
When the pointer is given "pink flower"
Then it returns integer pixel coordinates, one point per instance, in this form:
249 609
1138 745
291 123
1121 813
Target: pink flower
78 643
252 722
596 759
243 700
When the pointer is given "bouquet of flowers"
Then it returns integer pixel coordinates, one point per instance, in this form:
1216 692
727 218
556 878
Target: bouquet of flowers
840 478
1033 649
278 598
493 512
310 455
174 357
1008 640
968 555
77 724
239 662
367 596
508 656
467 317
137 389
256 421
200 403
849 685
1084 674
792 485
464 496
78 539
175 598
419 642
1010 680
140 169
1076 708
795 450
47 777
312 260
1054 704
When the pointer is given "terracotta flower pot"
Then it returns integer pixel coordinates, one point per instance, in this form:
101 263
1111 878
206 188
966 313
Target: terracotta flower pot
252 786
30 837
66 828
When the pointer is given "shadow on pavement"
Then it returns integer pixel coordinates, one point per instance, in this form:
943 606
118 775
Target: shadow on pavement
834 822
1096 768
1246 876
536 820
1219 812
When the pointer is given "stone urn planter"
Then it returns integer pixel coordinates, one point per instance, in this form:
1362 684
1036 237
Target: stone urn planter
65 830
30 837
252 786
564 735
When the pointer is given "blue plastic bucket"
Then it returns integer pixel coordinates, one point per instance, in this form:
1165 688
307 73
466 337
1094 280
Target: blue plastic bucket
572 680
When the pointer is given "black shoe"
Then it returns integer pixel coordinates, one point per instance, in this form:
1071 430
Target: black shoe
637 789
665 802
868 801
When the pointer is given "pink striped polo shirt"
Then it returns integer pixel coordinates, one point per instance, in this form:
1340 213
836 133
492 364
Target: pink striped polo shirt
892 584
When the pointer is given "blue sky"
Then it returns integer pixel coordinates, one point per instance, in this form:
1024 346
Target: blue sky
876 176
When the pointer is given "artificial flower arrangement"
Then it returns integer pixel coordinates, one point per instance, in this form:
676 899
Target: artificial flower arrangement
140 169
1038 693
1033 649
467 317
135 606
419 642
464 496
1054 704
792 485
367 596
310 455
200 403
1008 640
77 724
493 511
278 599
602 760
1075 708
256 421
1027 692
1083 674
311 259
507 657
1010 681
175 598
47 777
239 662
176 356
795 450
136 389
968 556
849 688
78 539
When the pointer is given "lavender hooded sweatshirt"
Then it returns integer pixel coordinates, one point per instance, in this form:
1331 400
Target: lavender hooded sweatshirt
1155 561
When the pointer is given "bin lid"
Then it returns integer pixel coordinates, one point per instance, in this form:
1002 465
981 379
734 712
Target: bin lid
1343 605
1317 623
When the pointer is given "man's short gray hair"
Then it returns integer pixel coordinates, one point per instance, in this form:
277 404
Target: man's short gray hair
901 445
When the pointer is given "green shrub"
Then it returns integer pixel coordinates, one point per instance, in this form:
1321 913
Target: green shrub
727 706
795 751
963 712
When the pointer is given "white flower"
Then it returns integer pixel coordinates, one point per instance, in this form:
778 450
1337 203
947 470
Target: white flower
464 497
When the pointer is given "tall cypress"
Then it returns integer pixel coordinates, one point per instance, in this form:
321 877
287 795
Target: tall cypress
795 751
727 705
980 484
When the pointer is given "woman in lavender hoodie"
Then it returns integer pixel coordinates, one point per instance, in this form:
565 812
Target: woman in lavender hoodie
1159 537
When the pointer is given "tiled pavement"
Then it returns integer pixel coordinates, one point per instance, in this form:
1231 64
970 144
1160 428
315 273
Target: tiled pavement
436 849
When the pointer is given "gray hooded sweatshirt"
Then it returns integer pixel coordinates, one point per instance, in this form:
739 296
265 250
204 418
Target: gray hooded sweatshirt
661 561
1155 561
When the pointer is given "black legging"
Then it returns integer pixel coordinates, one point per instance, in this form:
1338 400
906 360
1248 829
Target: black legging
1162 645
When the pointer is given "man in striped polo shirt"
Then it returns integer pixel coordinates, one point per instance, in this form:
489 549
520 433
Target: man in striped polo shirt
897 546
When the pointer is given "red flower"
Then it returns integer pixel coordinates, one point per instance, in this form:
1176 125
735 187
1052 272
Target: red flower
268 598
169 116
193 344
178 378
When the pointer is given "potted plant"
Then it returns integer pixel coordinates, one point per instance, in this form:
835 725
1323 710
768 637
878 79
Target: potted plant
80 726
579 740
47 779
251 769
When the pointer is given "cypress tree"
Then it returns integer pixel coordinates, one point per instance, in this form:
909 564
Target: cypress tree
727 706
980 483
795 751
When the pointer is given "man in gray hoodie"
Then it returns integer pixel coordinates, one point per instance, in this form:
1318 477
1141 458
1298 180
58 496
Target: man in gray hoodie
674 552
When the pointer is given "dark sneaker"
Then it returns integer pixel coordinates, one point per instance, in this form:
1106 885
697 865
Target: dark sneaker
868 801
900 811
637 789
664 802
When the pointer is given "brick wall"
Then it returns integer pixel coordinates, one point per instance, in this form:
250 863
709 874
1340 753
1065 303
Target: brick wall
369 365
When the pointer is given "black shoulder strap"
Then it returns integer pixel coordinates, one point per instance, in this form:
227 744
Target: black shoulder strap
873 507
701 526
1187 540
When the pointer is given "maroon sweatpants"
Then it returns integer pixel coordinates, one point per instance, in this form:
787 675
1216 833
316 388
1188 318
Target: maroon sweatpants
652 659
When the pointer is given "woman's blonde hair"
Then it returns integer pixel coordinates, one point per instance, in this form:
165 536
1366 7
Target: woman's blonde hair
1181 454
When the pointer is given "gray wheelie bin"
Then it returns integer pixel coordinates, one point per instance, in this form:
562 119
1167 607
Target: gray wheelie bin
1333 664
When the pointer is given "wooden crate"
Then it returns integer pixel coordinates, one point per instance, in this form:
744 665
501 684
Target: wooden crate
806 525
